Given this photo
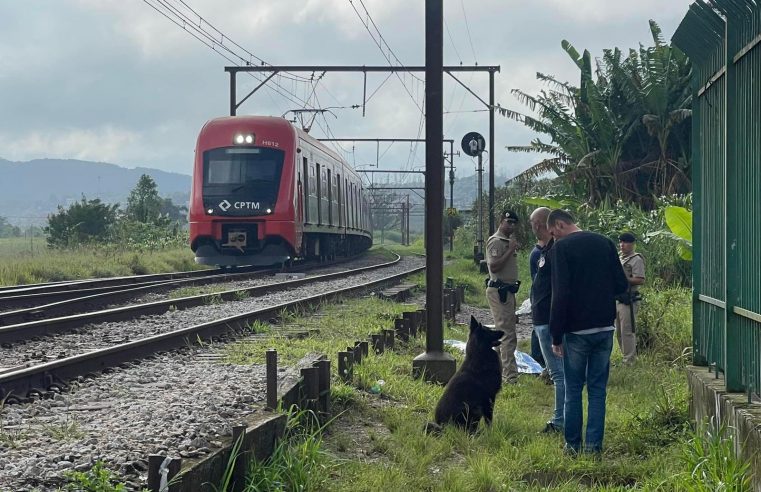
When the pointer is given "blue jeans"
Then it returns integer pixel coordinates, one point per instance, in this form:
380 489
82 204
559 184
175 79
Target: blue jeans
586 360
554 366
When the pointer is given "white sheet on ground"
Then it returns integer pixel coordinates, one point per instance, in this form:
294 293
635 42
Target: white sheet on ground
526 364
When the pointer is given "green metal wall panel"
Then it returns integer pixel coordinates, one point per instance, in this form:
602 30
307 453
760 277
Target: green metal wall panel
723 40
745 51
712 185
708 337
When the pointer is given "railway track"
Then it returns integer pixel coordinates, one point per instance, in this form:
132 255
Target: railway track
17 384
22 308
64 285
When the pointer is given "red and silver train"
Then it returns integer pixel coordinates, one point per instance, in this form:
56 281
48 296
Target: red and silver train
265 192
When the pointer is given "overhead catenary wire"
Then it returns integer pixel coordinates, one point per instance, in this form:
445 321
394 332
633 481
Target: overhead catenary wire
380 47
204 37
467 28
223 37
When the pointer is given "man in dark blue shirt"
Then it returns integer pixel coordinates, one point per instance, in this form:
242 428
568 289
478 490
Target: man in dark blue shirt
533 260
541 301
586 277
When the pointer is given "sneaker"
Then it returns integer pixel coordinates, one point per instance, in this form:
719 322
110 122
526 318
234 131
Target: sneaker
551 428
545 376
569 450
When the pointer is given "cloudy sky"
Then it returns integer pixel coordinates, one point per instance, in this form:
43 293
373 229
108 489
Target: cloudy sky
117 81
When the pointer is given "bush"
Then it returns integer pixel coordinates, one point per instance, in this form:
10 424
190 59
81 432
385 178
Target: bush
83 222
664 321
142 236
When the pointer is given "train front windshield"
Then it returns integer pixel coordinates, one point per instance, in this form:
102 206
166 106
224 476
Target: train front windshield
241 180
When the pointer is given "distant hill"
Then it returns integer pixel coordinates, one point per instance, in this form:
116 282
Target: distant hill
30 190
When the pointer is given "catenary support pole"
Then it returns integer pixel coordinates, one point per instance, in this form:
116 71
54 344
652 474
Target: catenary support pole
434 364
491 154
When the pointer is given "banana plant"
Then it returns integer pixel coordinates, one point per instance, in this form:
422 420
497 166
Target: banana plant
679 222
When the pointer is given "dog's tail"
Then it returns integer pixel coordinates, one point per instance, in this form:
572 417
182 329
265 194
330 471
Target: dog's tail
432 428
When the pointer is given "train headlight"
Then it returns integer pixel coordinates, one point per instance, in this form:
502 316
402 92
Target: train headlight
269 210
210 211
243 138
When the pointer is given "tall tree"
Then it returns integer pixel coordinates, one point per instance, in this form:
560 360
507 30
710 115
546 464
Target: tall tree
144 204
623 133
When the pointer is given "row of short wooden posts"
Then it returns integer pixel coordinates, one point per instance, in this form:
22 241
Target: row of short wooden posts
406 327
452 301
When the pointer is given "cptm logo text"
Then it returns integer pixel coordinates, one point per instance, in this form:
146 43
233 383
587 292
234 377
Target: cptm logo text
225 205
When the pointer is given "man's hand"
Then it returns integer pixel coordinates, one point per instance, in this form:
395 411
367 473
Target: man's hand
557 350
513 247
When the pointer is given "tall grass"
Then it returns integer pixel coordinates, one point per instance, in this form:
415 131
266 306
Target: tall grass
378 443
298 463
712 463
664 322
49 265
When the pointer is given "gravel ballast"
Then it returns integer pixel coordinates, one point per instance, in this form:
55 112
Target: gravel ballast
95 336
181 403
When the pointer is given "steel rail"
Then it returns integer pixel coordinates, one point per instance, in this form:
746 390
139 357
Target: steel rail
17 385
11 290
26 330
17 300
35 303
93 298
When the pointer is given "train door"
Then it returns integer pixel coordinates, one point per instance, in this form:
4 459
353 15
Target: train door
320 171
324 191
305 187
313 199
340 201
334 202
350 204
330 198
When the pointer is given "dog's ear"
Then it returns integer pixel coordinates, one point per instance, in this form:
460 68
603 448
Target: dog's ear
474 324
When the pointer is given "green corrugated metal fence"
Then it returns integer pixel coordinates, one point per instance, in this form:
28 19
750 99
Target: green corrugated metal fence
723 40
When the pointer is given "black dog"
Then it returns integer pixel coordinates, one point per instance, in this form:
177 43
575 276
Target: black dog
471 392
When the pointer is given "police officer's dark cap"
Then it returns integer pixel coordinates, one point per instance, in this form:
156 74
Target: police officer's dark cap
627 237
510 215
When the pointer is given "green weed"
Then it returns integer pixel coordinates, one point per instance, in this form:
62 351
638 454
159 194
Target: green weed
710 457
68 430
298 463
96 479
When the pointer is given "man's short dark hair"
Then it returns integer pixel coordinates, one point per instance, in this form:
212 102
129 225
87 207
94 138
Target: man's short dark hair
560 215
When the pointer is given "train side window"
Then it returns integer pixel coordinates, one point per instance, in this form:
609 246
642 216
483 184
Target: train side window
312 181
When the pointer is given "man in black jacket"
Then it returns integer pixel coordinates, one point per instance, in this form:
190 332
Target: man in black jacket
586 277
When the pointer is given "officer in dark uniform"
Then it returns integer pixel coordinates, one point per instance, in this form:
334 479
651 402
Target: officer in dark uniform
627 304
502 259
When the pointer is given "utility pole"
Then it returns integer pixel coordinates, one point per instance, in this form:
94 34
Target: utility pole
408 220
491 153
434 364
451 193
480 206
473 144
